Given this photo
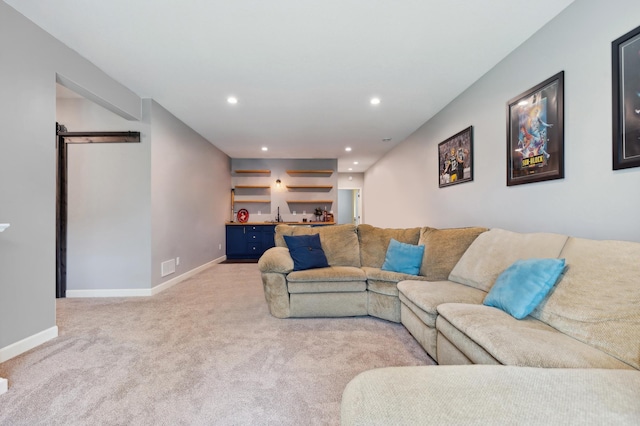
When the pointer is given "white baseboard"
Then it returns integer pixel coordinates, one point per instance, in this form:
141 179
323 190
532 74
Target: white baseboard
27 343
142 292
173 281
120 292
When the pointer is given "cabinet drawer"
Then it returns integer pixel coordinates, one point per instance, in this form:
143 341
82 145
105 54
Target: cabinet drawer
255 248
253 236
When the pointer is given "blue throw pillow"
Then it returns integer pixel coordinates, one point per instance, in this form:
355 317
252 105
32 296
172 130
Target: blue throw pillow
522 286
405 258
306 252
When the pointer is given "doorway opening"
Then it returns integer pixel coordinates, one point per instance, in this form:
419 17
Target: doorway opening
349 206
64 138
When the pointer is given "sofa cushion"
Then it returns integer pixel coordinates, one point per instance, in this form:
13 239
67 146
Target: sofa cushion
598 299
339 242
526 342
378 274
306 252
403 258
523 285
374 242
332 273
326 286
385 282
443 248
424 297
493 251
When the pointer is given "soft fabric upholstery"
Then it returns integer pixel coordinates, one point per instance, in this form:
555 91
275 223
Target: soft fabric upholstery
491 395
377 274
276 259
326 286
526 342
306 252
449 354
276 293
424 335
374 242
465 348
598 299
426 296
443 248
522 286
403 258
383 306
332 273
420 300
339 242
493 251
341 304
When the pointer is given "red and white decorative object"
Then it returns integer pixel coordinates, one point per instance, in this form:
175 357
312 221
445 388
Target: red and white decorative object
243 215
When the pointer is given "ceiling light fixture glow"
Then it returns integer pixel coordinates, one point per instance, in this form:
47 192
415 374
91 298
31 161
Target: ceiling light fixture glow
348 149
232 100
355 162
350 168
264 148
375 101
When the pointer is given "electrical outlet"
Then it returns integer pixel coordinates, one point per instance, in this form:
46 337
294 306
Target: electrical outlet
177 261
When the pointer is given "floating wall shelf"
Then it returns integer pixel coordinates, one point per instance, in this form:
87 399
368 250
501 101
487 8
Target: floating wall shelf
252 187
254 172
310 172
310 201
327 187
251 201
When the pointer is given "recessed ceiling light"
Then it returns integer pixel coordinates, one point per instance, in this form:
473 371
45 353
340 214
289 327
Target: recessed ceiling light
232 100
350 168
264 148
375 101
355 162
348 149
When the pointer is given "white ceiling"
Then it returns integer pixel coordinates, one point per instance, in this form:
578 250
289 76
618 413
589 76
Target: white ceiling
302 70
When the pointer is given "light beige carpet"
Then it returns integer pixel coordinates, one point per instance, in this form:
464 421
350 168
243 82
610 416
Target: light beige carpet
205 351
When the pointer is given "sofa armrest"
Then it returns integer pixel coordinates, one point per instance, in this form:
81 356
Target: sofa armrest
276 259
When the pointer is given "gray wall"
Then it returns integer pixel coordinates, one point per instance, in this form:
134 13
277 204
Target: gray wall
190 195
109 231
592 201
29 62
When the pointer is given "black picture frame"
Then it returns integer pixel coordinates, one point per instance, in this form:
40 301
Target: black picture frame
455 157
625 61
535 133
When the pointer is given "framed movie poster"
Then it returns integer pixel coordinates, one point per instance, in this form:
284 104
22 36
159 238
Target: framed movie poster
625 55
535 133
455 158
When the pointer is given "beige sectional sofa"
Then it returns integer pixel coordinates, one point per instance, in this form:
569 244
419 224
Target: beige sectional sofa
354 284
590 319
